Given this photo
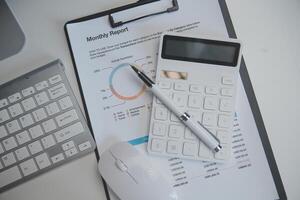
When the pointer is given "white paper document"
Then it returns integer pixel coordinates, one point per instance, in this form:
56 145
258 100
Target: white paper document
119 105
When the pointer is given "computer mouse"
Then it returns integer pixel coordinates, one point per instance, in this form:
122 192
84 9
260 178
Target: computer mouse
131 175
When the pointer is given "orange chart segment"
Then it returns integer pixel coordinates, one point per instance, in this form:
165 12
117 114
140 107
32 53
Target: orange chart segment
118 93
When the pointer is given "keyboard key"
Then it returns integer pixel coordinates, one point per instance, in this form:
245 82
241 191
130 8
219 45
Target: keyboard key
3 132
196 88
209 119
4 116
224 121
68 145
173 147
181 86
41 85
180 99
52 108
164 85
28 167
41 98
9 176
159 129
65 103
15 97
226 105
39 114
3 103
55 79
227 92
66 118
26 120
210 103
15 110
190 149
158 145
227 80
49 125
9 159
28 91
22 153
13 126
9 143
48 141
223 136
35 147
69 132
211 90
161 113
176 131
42 161
23 137
36 131
84 146
195 101
57 91
28 104
57 158
71 152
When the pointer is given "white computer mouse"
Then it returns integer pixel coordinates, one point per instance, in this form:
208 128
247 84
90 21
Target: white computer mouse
131 175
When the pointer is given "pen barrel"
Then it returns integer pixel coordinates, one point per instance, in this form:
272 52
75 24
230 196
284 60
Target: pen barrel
203 134
165 100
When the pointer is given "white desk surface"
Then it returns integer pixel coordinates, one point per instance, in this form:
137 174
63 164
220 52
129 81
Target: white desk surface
270 31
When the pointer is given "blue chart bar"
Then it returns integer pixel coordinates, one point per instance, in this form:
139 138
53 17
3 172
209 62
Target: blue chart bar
138 141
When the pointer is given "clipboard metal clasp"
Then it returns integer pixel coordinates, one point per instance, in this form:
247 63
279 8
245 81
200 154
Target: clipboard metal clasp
115 24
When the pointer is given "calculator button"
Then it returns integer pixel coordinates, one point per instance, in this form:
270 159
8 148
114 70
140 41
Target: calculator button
227 92
174 118
164 85
189 135
180 86
23 137
195 114
173 147
41 98
28 104
4 116
165 93
195 88
223 154
226 105
227 80
26 120
3 132
180 99
41 85
158 145
28 167
204 151
209 119
28 91
224 121
190 149
15 97
15 110
22 153
223 136
195 101
159 129
211 90
176 131
55 79
13 126
210 103
39 114
161 113
9 143
3 103
9 159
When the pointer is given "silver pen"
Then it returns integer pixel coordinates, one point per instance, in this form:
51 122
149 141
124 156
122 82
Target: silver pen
195 126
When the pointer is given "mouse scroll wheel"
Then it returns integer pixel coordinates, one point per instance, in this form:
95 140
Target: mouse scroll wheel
121 165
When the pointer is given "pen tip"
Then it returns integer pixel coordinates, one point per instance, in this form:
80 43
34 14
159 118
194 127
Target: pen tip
134 68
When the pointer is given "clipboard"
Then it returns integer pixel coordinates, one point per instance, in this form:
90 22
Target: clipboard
243 74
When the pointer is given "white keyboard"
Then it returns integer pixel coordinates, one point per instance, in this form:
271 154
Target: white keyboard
210 104
41 125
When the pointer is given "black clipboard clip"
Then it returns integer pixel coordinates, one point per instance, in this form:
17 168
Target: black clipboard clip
115 24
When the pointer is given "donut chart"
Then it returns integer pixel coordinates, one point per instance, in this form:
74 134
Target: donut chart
115 91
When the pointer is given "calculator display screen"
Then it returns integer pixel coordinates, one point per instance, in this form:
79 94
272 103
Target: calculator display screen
200 50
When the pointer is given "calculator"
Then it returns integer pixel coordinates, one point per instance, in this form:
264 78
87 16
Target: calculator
199 74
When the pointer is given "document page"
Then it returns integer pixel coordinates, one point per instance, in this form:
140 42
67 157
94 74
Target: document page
119 104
